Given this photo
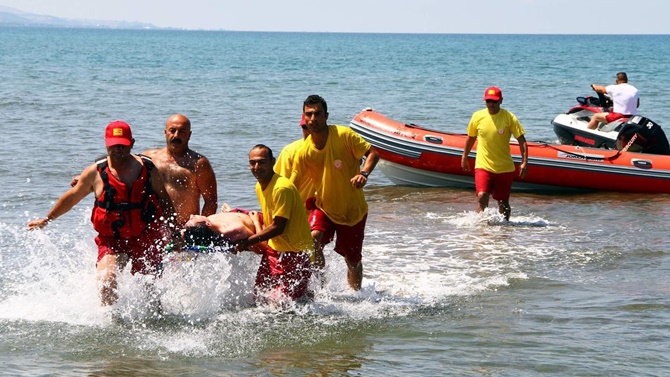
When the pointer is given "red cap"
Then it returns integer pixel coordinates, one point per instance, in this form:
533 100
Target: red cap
118 133
493 92
303 122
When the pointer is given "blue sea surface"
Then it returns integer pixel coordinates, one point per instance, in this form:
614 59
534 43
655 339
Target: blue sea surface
573 285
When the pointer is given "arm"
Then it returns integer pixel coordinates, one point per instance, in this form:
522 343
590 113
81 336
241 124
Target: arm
206 183
523 145
164 199
274 230
371 159
599 88
259 247
465 165
256 219
83 187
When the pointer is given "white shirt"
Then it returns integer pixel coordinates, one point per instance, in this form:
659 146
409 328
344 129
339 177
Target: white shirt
625 98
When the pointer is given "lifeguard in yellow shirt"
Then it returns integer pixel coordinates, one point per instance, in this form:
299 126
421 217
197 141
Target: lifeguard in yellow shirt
492 129
285 265
331 158
284 165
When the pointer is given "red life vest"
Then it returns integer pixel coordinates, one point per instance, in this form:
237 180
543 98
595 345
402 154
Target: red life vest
123 213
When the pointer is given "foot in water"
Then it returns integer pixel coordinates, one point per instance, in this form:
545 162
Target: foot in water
505 209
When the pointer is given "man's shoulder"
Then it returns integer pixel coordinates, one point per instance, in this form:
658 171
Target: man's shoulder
154 152
282 183
340 129
344 132
480 114
92 168
293 146
200 159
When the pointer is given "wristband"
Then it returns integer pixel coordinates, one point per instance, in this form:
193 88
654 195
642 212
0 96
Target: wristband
364 174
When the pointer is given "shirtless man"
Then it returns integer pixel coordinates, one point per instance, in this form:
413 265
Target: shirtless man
187 174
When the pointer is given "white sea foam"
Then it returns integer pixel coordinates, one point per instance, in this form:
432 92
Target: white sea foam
436 258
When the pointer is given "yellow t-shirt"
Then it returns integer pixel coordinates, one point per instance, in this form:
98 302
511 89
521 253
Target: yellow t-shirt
493 133
281 198
285 163
331 170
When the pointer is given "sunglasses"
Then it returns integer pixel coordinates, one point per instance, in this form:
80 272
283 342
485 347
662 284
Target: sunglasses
492 101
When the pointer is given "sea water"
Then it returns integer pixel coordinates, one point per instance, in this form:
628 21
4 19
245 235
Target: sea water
572 285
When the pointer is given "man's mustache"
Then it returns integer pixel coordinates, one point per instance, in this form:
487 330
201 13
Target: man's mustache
175 140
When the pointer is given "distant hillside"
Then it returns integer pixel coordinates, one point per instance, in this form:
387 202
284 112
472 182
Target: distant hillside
14 17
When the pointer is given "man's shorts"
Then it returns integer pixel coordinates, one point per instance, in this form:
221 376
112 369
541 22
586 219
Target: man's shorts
498 185
286 272
145 251
611 117
349 241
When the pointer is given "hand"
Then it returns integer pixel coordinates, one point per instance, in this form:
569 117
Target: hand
177 241
241 245
319 260
74 181
465 165
38 224
359 180
523 170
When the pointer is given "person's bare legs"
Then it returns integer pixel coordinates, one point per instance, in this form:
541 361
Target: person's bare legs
319 259
106 271
319 264
504 208
482 201
355 274
596 119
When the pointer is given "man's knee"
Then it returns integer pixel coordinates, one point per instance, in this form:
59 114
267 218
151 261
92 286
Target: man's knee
354 264
600 117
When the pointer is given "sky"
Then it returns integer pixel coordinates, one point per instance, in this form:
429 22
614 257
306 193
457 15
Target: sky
374 16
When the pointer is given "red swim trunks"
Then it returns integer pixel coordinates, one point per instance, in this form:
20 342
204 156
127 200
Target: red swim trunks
145 252
499 185
349 241
287 273
611 117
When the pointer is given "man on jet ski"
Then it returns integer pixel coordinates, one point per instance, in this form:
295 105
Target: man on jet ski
624 96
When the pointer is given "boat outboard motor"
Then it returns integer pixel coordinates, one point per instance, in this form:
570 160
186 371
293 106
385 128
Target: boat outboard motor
649 137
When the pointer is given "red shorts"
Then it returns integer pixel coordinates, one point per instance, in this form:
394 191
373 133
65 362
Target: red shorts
499 185
145 252
286 272
349 241
611 117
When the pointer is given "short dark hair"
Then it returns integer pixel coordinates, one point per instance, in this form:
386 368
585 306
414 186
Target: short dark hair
202 235
263 146
622 76
313 100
